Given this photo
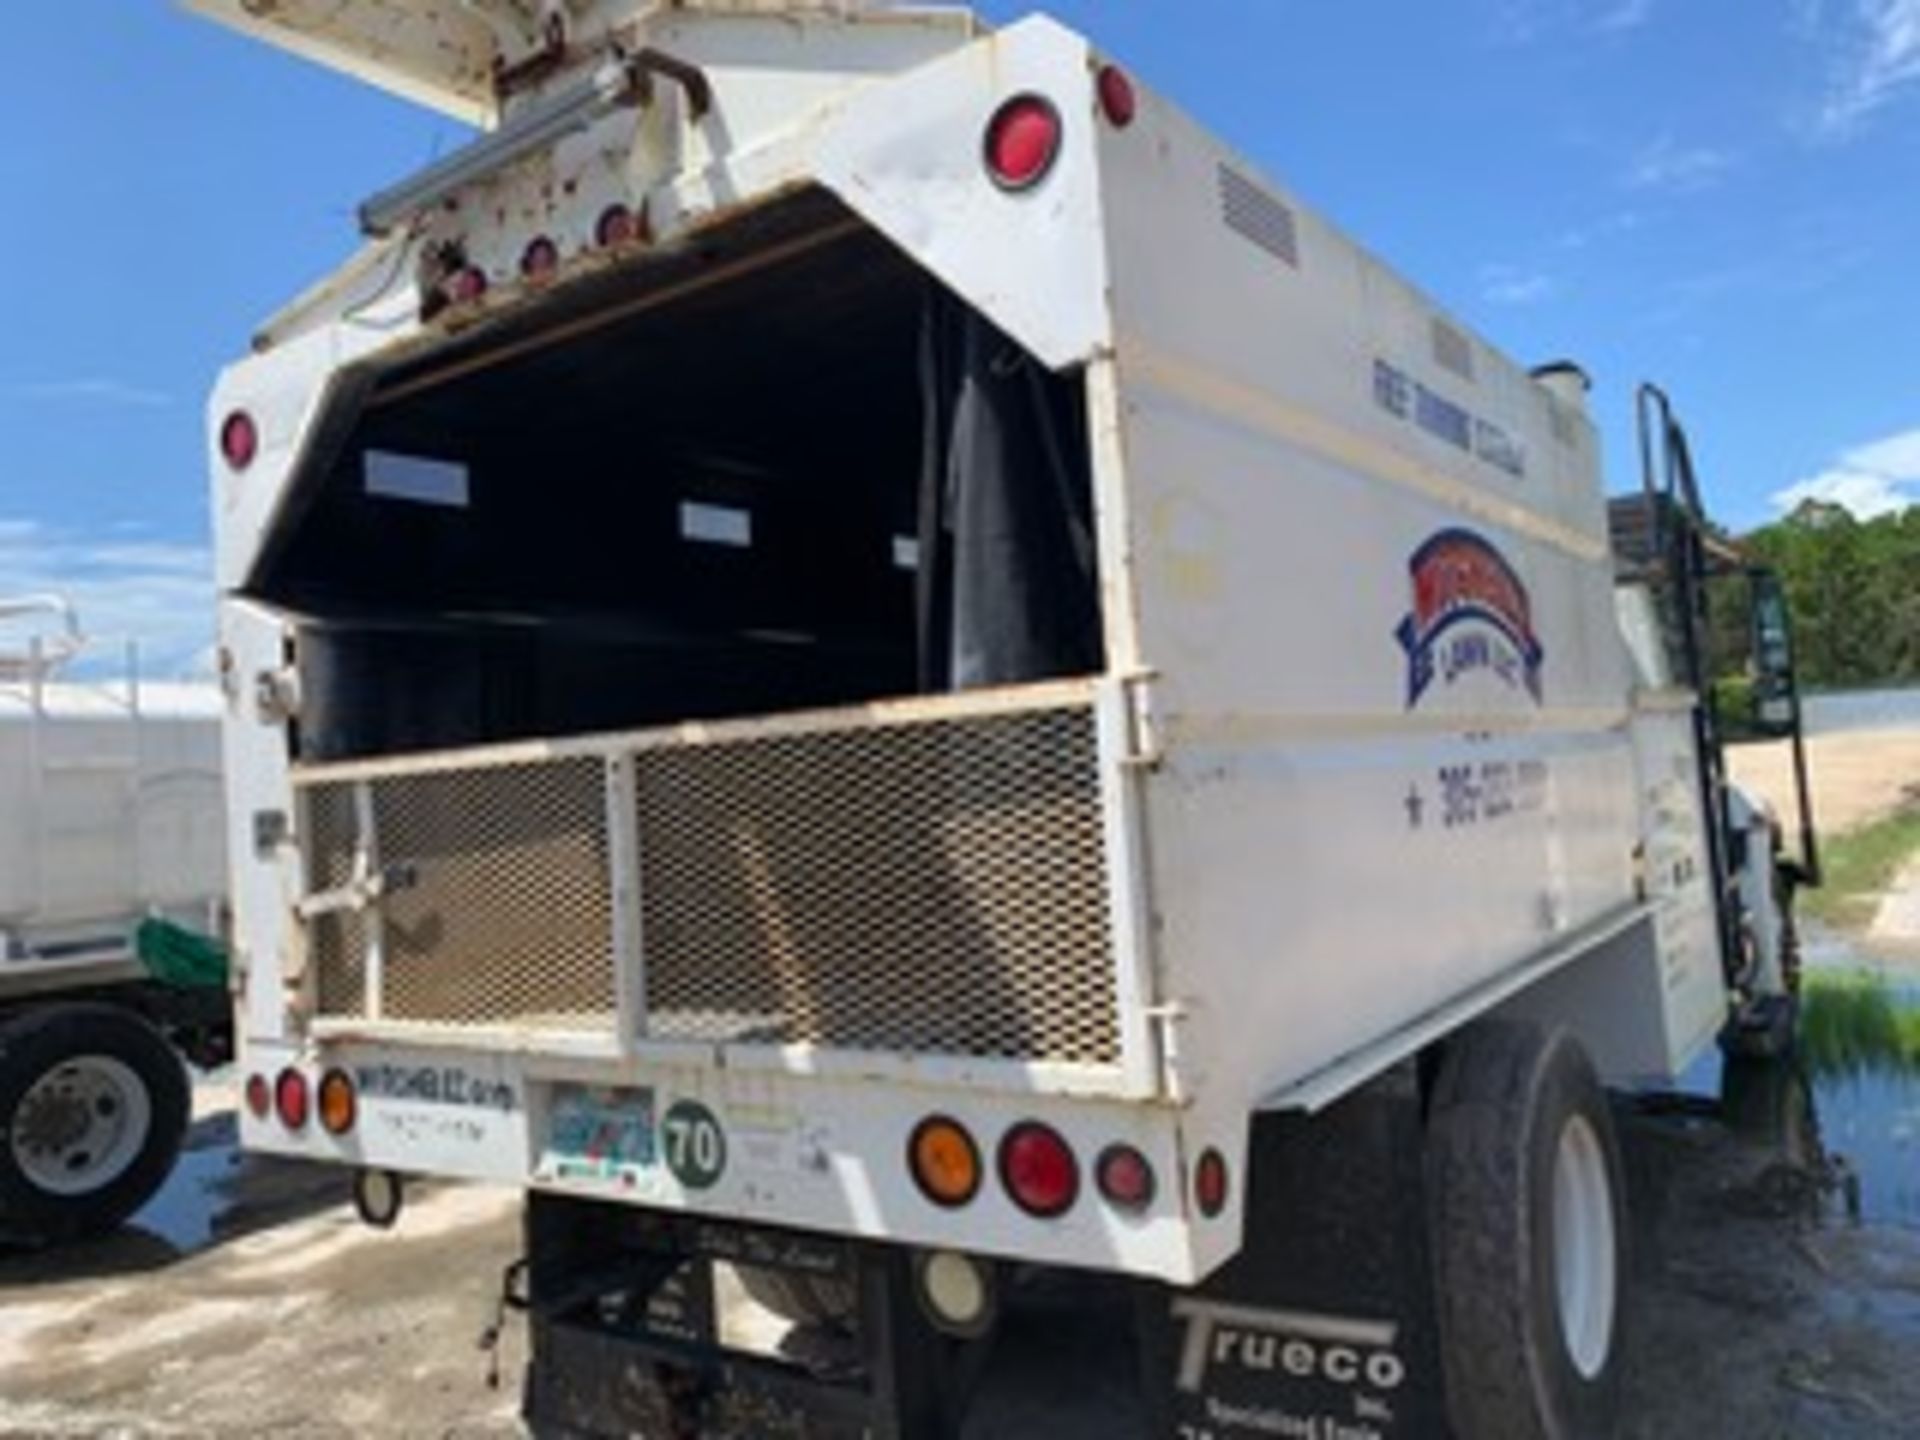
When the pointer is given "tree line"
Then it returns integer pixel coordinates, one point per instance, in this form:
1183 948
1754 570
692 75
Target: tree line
1854 589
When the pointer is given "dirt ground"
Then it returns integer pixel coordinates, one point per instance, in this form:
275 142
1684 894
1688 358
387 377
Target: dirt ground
1857 776
1758 1312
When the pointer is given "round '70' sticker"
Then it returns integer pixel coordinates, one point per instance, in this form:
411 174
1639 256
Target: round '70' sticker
696 1146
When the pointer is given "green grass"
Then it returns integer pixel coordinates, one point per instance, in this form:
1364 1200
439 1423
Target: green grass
1855 1024
1859 867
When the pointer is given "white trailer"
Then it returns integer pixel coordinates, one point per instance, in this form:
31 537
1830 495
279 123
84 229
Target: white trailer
857 649
111 819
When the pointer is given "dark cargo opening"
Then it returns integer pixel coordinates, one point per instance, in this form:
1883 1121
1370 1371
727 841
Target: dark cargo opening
780 472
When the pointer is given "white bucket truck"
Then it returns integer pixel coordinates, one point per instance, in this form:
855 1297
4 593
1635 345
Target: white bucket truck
856 651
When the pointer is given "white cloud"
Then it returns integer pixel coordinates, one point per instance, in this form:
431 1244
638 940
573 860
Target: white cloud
1878 58
159 594
1681 169
1581 237
1624 15
1872 480
1522 22
91 390
1510 285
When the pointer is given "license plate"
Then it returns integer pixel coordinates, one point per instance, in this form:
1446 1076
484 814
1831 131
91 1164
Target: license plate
600 1135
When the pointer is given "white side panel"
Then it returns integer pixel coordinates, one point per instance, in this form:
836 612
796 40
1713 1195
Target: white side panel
108 812
1649 1002
1373 586
265 874
907 157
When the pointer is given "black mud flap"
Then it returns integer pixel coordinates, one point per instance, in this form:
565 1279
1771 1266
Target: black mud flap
1324 1326
627 1341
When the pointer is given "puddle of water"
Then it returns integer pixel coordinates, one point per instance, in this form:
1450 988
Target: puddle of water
1854 1100
1861 1047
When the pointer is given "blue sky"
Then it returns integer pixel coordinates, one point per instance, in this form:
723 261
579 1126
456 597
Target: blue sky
1718 194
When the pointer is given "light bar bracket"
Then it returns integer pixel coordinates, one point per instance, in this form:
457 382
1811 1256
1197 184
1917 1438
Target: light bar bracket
614 86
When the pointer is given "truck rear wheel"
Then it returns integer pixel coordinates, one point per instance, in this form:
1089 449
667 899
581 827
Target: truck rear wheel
1529 1235
93 1107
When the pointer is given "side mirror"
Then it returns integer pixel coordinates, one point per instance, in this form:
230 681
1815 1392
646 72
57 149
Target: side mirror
1776 692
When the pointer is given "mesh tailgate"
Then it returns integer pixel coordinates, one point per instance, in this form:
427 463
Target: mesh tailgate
930 886
934 887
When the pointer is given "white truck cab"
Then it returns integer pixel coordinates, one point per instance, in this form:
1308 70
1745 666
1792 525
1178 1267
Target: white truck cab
859 652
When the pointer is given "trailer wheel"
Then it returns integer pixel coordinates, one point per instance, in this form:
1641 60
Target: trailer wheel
93 1107
1529 1234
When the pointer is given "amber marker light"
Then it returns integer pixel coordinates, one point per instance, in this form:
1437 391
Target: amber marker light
945 1162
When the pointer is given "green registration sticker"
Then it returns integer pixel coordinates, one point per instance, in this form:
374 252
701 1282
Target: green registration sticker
696 1146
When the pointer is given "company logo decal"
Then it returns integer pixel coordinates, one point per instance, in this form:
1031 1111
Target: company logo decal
1240 1338
1471 612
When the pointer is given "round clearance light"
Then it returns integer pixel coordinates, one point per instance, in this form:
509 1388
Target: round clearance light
945 1162
239 440
466 285
259 1097
1039 1170
616 226
540 259
1023 142
1125 1178
956 1292
1118 100
338 1105
1210 1184
290 1099
378 1197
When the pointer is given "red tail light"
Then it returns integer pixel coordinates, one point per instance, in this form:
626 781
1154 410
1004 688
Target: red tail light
616 226
540 259
1117 98
259 1096
1125 1178
1039 1170
1023 142
466 285
1210 1184
290 1099
239 440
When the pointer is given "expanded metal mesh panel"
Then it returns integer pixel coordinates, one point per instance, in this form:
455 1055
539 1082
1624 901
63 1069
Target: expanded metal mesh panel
934 888
500 913
338 941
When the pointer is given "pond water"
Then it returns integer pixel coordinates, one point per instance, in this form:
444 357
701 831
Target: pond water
1863 710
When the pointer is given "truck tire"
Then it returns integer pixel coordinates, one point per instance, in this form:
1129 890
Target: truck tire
799 1299
1528 1224
93 1108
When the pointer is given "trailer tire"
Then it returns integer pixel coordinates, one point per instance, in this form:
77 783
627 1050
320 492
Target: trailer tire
93 1108
1529 1234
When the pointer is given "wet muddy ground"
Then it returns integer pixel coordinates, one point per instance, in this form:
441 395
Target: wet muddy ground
248 1300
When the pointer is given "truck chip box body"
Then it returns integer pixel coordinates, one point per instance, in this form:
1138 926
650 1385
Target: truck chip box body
854 649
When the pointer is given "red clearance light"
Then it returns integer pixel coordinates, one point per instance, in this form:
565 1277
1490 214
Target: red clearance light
259 1096
1210 1184
290 1099
1117 98
1039 1170
1125 1178
616 226
540 259
239 439
466 285
1023 142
